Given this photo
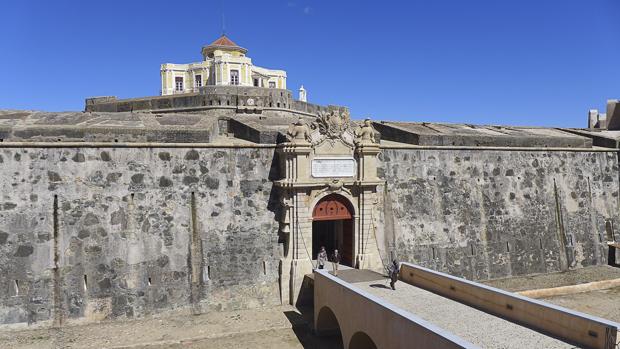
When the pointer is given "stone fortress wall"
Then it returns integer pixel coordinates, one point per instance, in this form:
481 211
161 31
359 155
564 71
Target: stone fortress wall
125 227
251 100
492 214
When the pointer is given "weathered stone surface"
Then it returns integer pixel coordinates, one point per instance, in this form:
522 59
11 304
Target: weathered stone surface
79 157
164 182
192 155
24 251
425 133
491 214
35 126
105 156
130 219
129 236
238 97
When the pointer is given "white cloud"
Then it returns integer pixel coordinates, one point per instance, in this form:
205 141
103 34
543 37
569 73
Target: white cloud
307 10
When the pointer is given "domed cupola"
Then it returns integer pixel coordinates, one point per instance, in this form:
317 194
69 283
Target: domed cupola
223 43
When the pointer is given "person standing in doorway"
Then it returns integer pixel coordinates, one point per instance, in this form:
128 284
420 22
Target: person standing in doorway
393 270
321 258
335 261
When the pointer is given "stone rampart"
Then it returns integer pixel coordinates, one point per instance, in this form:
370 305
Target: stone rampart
240 99
493 213
109 232
114 231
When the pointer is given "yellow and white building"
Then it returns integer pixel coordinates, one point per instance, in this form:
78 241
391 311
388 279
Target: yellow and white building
224 63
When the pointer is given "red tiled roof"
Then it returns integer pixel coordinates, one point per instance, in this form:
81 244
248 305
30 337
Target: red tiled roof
224 41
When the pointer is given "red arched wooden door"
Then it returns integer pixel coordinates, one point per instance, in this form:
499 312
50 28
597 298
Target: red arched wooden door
330 208
332 227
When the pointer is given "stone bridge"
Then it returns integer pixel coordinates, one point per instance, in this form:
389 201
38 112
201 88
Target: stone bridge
437 310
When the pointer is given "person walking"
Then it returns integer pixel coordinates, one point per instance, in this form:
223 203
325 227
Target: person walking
335 261
321 258
393 270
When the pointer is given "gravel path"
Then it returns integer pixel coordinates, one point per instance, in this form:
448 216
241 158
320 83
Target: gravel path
477 327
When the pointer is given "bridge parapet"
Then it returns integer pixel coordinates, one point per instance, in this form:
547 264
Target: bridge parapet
571 326
367 321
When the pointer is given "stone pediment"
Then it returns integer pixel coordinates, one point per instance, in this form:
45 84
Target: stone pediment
330 147
333 148
332 127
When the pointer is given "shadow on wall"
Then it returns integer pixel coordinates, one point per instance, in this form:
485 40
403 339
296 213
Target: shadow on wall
361 340
274 203
300 322
274 196
611 257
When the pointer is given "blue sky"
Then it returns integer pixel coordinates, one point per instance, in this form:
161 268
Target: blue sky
517 62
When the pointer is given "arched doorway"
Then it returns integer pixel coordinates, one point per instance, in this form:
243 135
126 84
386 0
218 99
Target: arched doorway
332 227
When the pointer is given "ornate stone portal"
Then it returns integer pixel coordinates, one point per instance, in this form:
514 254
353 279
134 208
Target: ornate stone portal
327 159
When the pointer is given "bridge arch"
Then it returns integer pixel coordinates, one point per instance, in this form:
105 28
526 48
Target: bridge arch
327 323
360 340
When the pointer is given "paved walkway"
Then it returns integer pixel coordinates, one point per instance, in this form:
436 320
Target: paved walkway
477 327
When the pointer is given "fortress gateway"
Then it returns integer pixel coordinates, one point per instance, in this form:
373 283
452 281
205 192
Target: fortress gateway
219 196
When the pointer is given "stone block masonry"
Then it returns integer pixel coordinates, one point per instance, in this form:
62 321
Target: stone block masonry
106 232
491 214
242 99
125 231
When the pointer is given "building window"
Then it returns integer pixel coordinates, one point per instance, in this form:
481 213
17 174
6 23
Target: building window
256 82
234 77
272 84
198 80
178 83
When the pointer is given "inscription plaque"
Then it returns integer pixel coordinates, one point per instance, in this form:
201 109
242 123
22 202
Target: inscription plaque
333 167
